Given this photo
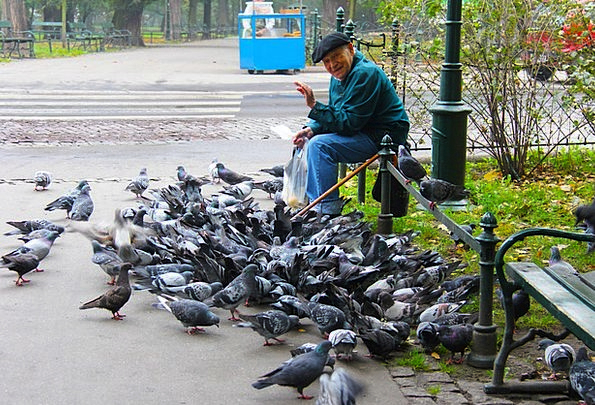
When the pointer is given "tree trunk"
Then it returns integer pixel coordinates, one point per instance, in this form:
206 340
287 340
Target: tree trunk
329 13
206 30
14 11
128 15
223 13
175 19
192 18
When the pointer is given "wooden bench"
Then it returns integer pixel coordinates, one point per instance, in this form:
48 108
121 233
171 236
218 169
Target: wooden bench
19 43
569 297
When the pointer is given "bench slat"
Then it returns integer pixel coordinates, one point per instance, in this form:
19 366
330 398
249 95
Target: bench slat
563 304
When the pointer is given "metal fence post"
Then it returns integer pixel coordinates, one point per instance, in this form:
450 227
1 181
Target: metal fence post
483 351
340 19
385 218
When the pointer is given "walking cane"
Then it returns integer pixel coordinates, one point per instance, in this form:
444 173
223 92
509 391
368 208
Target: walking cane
336 186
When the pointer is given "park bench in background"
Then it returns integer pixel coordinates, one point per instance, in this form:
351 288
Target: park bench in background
80 36
114 37
16 43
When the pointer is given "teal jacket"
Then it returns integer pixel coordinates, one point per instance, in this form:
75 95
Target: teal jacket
365 101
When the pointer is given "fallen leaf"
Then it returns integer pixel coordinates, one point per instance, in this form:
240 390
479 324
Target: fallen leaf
435 355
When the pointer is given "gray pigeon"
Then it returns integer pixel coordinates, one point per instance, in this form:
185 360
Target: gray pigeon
65 201
326 317
83 205
42 180
28 226
240 190
299 371
582 376
237 291
410 166
201 290
343 341
456 338
380 343
558 356
427 334
115 298
339 388
275 171
21 264
192 314
557 263
269 324
229 176
438 191
271 187
107 259
438 310
40 247
139 184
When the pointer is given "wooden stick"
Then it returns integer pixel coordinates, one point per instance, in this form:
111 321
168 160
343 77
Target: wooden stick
336 186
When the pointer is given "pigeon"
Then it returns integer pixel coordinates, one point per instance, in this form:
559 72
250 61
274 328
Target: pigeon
28 226
582 376
409 166
456 338
339 388
521 303
229 176
214 171
437 191
437 310
40 247
467 228
192 314
115 298
239 190
139 184
427 334
65 201
200 290
22 264
326 317
237 291
292 305
380 343
42 180
269 324
271 187
558 356
586 214
299 371
82 206
343 341
275 171
558 264
107 259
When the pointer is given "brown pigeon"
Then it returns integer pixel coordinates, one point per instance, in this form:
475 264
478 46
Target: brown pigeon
114 298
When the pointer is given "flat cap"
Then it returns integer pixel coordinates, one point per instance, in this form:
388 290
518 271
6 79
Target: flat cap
327 44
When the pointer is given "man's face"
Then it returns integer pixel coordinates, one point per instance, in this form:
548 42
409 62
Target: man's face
338 61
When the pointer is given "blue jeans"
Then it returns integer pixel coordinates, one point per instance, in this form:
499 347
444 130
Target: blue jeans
325 152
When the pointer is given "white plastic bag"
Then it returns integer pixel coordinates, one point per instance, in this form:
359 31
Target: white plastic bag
295 176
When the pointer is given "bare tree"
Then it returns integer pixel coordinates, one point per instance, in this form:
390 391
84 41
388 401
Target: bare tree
175 19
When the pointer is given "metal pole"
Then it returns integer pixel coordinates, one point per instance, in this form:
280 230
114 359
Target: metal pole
340 19
385 218
483 351
449 115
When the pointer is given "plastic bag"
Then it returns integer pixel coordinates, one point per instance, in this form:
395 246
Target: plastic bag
295 176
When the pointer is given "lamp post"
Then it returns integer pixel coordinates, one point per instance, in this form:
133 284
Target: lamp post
449 114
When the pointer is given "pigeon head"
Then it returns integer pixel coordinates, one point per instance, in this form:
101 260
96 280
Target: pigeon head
323 347
544 343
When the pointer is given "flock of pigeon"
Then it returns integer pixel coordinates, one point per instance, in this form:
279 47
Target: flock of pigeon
196 253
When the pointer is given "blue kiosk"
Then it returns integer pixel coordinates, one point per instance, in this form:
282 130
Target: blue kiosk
271 41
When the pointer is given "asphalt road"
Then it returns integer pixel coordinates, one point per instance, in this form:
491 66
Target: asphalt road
53 353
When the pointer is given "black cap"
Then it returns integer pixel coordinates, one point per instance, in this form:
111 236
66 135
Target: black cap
327 44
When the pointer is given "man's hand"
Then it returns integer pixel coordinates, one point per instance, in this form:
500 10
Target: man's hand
307 92
300 137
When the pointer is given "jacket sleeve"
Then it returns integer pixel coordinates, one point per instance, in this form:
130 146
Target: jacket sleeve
349 113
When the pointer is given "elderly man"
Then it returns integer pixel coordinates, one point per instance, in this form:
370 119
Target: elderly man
363 107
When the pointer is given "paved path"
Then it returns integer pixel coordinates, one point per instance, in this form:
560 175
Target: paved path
54 353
